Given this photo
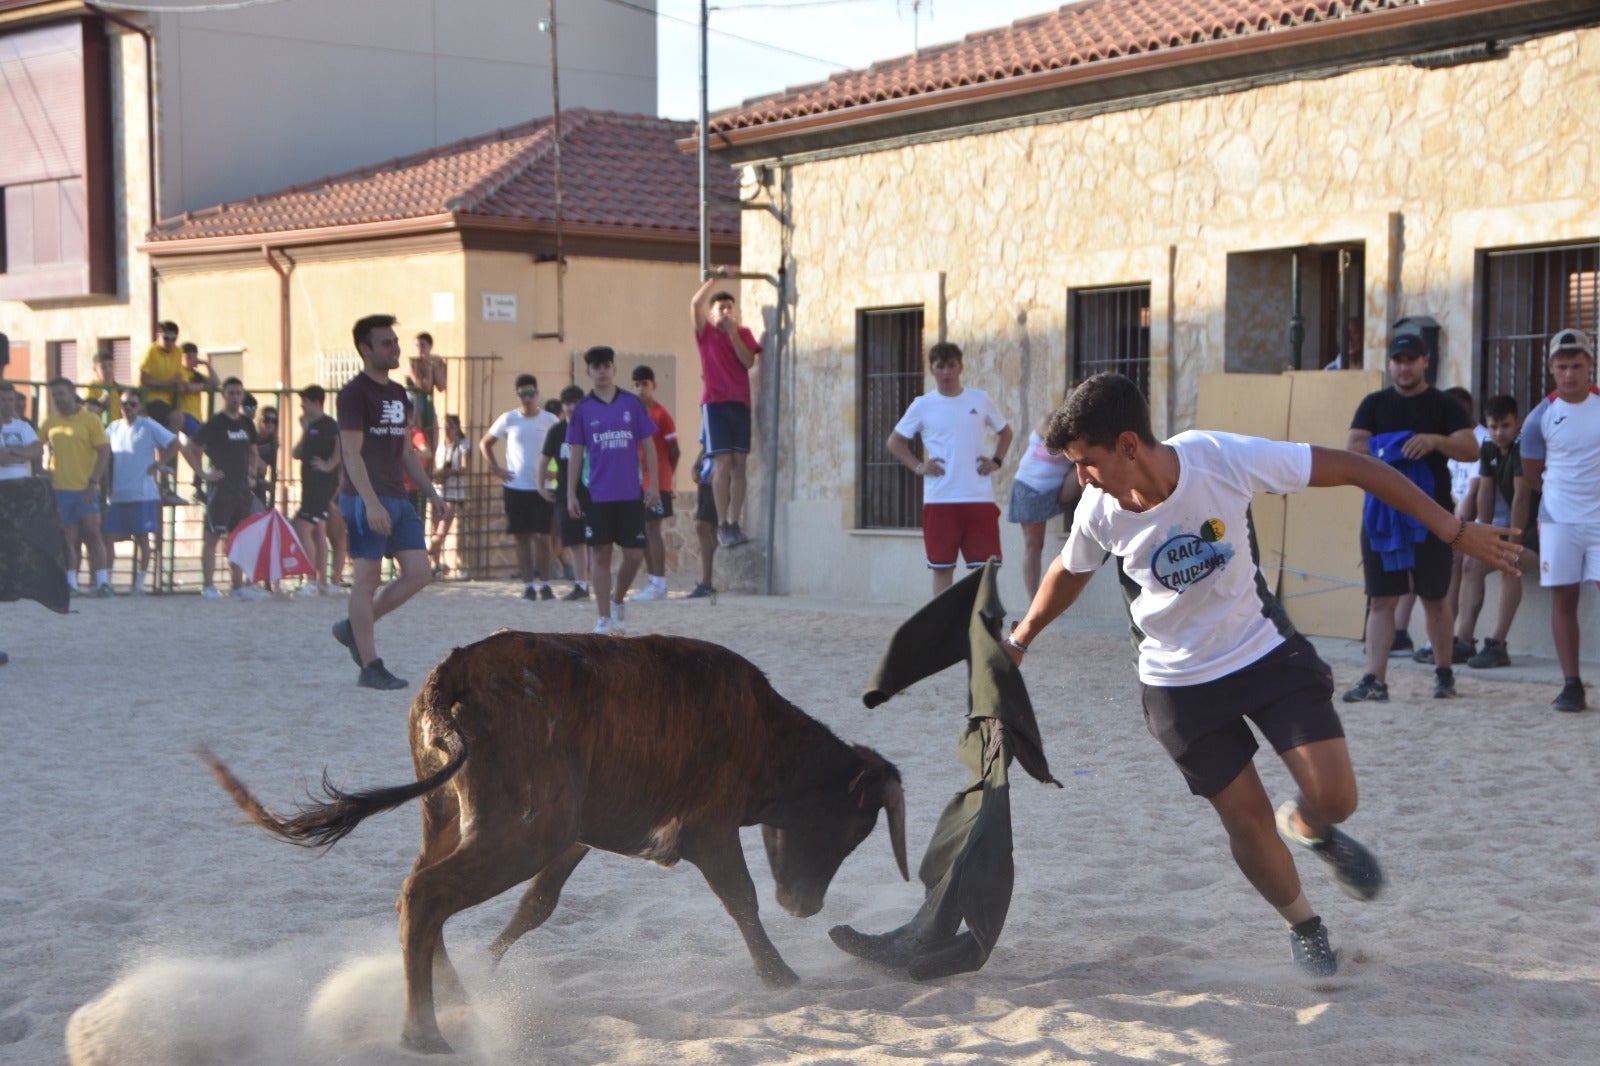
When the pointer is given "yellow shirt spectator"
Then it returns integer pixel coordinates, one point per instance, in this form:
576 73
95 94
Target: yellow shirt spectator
75 441
108 398
161 365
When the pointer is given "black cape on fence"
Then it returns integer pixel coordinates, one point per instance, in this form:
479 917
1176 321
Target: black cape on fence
967 871
33 555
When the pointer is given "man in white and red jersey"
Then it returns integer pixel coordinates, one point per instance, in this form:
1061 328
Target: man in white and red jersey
1561 456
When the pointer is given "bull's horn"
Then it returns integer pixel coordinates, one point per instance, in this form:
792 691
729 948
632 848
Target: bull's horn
894 806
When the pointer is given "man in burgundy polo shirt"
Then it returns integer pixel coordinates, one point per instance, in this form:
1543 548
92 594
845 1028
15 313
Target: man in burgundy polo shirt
373 419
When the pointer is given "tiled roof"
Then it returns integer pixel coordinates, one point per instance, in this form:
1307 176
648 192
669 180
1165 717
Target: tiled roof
617 171
1094 31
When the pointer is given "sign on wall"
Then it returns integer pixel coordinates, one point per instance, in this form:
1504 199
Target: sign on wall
499 307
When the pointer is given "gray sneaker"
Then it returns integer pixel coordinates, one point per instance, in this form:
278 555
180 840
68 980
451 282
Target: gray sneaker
1355 870
1571 700
1369 689
376 675
1308 946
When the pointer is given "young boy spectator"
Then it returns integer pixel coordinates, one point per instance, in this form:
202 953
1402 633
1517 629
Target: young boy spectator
727 352
665 442
528 511
229 442
557 451
101 396
318 452
1499 475
606 429
959 515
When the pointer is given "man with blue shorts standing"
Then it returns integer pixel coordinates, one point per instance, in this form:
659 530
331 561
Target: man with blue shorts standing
373 414
727 352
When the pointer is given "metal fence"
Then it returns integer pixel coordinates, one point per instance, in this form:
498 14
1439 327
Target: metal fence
889 343
1110 331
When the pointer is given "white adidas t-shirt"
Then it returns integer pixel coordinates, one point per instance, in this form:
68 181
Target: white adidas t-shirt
524 436
1198 604
955 430
1567 437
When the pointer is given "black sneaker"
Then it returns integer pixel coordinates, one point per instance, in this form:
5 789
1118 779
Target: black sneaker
376 675
579 592
701 591
530 593
1402 644
341 633
1369 689
1444 683
1571 699
546 592
1355 870
1460 652
1492 655
1308 946
1423 654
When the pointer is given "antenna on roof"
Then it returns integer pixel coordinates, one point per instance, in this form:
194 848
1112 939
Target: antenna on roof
916 19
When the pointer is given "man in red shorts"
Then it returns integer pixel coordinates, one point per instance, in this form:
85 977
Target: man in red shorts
959 515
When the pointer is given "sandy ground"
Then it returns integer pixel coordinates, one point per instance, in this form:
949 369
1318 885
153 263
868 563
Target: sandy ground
133 896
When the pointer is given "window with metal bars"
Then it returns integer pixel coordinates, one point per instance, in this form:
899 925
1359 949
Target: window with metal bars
889 356
1110 331
1525 296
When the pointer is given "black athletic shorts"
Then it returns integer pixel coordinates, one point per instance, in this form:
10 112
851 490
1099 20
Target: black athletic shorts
1287 693
620 522
227 506
705 505
663 511
316 495
1429 576
527 512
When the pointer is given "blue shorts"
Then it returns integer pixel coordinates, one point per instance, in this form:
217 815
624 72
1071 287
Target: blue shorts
72 506
191 424
132 519
726 427
405 528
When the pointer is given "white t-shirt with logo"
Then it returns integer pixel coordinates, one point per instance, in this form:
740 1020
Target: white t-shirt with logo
1199 606
955 430
16 434
524 437
133 449
1567 437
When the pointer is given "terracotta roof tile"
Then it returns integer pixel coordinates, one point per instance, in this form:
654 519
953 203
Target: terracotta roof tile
622 171
1094 31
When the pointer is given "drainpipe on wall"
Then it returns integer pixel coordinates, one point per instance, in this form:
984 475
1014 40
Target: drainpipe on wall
150 134
284 374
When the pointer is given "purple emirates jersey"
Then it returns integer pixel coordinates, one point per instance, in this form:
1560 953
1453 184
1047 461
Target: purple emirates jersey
610 434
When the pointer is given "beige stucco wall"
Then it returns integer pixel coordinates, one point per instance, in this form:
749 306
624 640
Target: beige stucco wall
989 233
88 320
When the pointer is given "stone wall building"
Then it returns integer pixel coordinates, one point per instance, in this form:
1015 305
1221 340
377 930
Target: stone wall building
1159 187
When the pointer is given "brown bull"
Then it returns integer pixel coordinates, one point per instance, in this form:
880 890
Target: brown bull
531 749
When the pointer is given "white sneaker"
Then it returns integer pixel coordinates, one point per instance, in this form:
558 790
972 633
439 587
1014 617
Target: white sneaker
649 593
210 593
308 589
250 592
603 627
619 617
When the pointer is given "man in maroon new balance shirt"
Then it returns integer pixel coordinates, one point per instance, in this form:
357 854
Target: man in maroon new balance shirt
373 414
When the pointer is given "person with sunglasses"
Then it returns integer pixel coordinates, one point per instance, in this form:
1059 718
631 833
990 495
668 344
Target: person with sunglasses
140 447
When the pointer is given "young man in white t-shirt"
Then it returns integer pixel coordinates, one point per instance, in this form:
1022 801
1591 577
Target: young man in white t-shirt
959 515
528 511
1561 456
20 446
1217 648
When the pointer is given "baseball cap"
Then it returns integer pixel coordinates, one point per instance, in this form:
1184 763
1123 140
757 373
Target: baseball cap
1571 340
1407 346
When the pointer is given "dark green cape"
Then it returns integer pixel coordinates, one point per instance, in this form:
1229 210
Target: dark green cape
967 870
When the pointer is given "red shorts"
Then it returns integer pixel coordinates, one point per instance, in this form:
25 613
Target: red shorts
970 529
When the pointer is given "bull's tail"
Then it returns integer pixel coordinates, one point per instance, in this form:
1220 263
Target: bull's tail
323 823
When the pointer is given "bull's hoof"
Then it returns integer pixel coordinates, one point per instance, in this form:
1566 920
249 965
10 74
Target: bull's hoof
779 976
426 1043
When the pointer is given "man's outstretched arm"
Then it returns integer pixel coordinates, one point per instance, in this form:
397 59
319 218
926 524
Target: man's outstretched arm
1058 590
1332 467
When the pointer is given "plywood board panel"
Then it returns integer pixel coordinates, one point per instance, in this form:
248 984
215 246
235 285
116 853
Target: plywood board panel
1257 405
1320 583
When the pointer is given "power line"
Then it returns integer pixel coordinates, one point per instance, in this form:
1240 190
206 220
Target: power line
731 36
184 9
